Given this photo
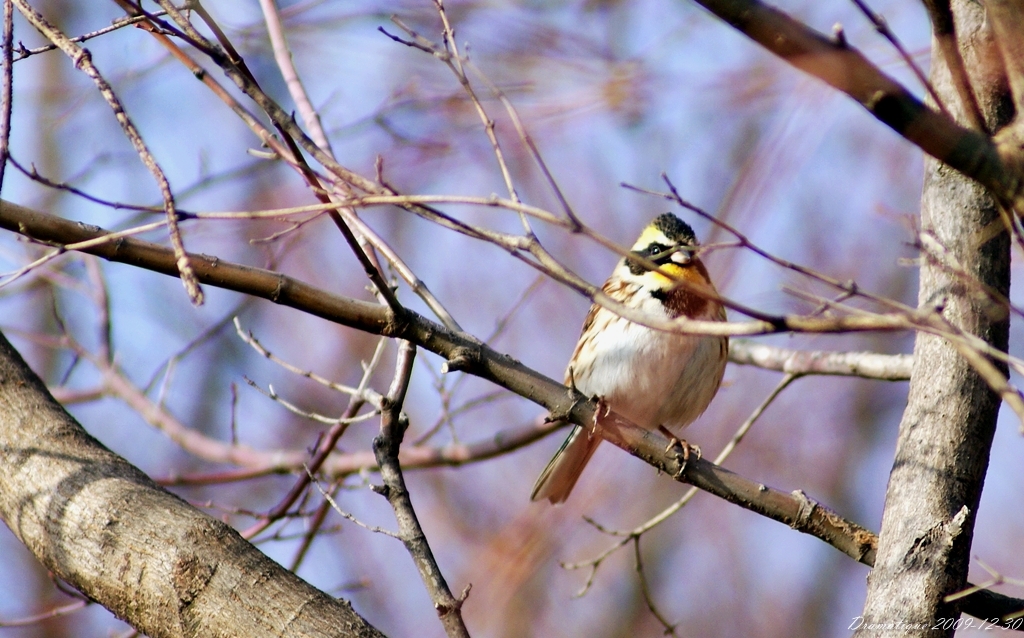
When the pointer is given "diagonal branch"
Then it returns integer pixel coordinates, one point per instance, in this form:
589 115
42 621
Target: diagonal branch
466 353
97 522
845 69
795 509
82 60
883 29
285 63
287 127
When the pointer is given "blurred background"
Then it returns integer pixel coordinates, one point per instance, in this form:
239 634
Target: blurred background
612 92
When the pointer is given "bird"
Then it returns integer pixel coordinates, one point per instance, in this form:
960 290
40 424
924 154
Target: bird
658 380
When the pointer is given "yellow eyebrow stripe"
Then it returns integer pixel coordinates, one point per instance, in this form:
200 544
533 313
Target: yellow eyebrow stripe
649 236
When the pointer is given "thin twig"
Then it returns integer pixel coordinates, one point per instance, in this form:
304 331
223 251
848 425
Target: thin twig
385 448
595 563
417 285
883 28
527 139
272 394
82 60
119 23
332 504
231 61
670 628
944 258
449 55
446 395
283 57
101 298
944 29
248 338
314 526
56 612
7 89
323 450
85 246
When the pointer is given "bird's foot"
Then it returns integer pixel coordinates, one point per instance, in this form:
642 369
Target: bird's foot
682 450
602 410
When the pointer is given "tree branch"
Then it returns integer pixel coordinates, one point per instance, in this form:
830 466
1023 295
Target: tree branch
285 63
93 520
6 90
385 448
82 60
1007 20
944 30
794 509
868 365
834 62
466 353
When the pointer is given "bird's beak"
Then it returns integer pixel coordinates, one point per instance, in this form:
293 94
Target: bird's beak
682 256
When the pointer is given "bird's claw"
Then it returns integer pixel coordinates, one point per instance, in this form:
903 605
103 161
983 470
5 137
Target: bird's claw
602 410
682 451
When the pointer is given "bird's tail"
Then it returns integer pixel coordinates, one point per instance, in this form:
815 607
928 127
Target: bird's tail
561 474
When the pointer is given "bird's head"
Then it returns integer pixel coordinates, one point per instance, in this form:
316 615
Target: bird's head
668 242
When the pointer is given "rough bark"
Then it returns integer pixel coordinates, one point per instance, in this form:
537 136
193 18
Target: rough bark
105 528
946 433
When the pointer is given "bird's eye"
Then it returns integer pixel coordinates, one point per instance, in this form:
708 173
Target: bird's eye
655 250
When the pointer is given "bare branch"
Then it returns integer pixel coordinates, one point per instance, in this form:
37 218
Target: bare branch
326 444
1007 20
83 61
6 90
417 285
795 509
371 318
670 628
465 353
521 246
68 483
868 365
255 462
944 30
451 58
883 28
380 321
847 70
119 23
105 238
385 448
527 139
255 344
56 612
283 57
332 504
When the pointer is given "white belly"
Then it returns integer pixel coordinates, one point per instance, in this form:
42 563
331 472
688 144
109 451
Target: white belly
648 376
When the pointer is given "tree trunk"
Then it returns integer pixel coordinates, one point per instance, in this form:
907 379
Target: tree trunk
152 559
946 433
